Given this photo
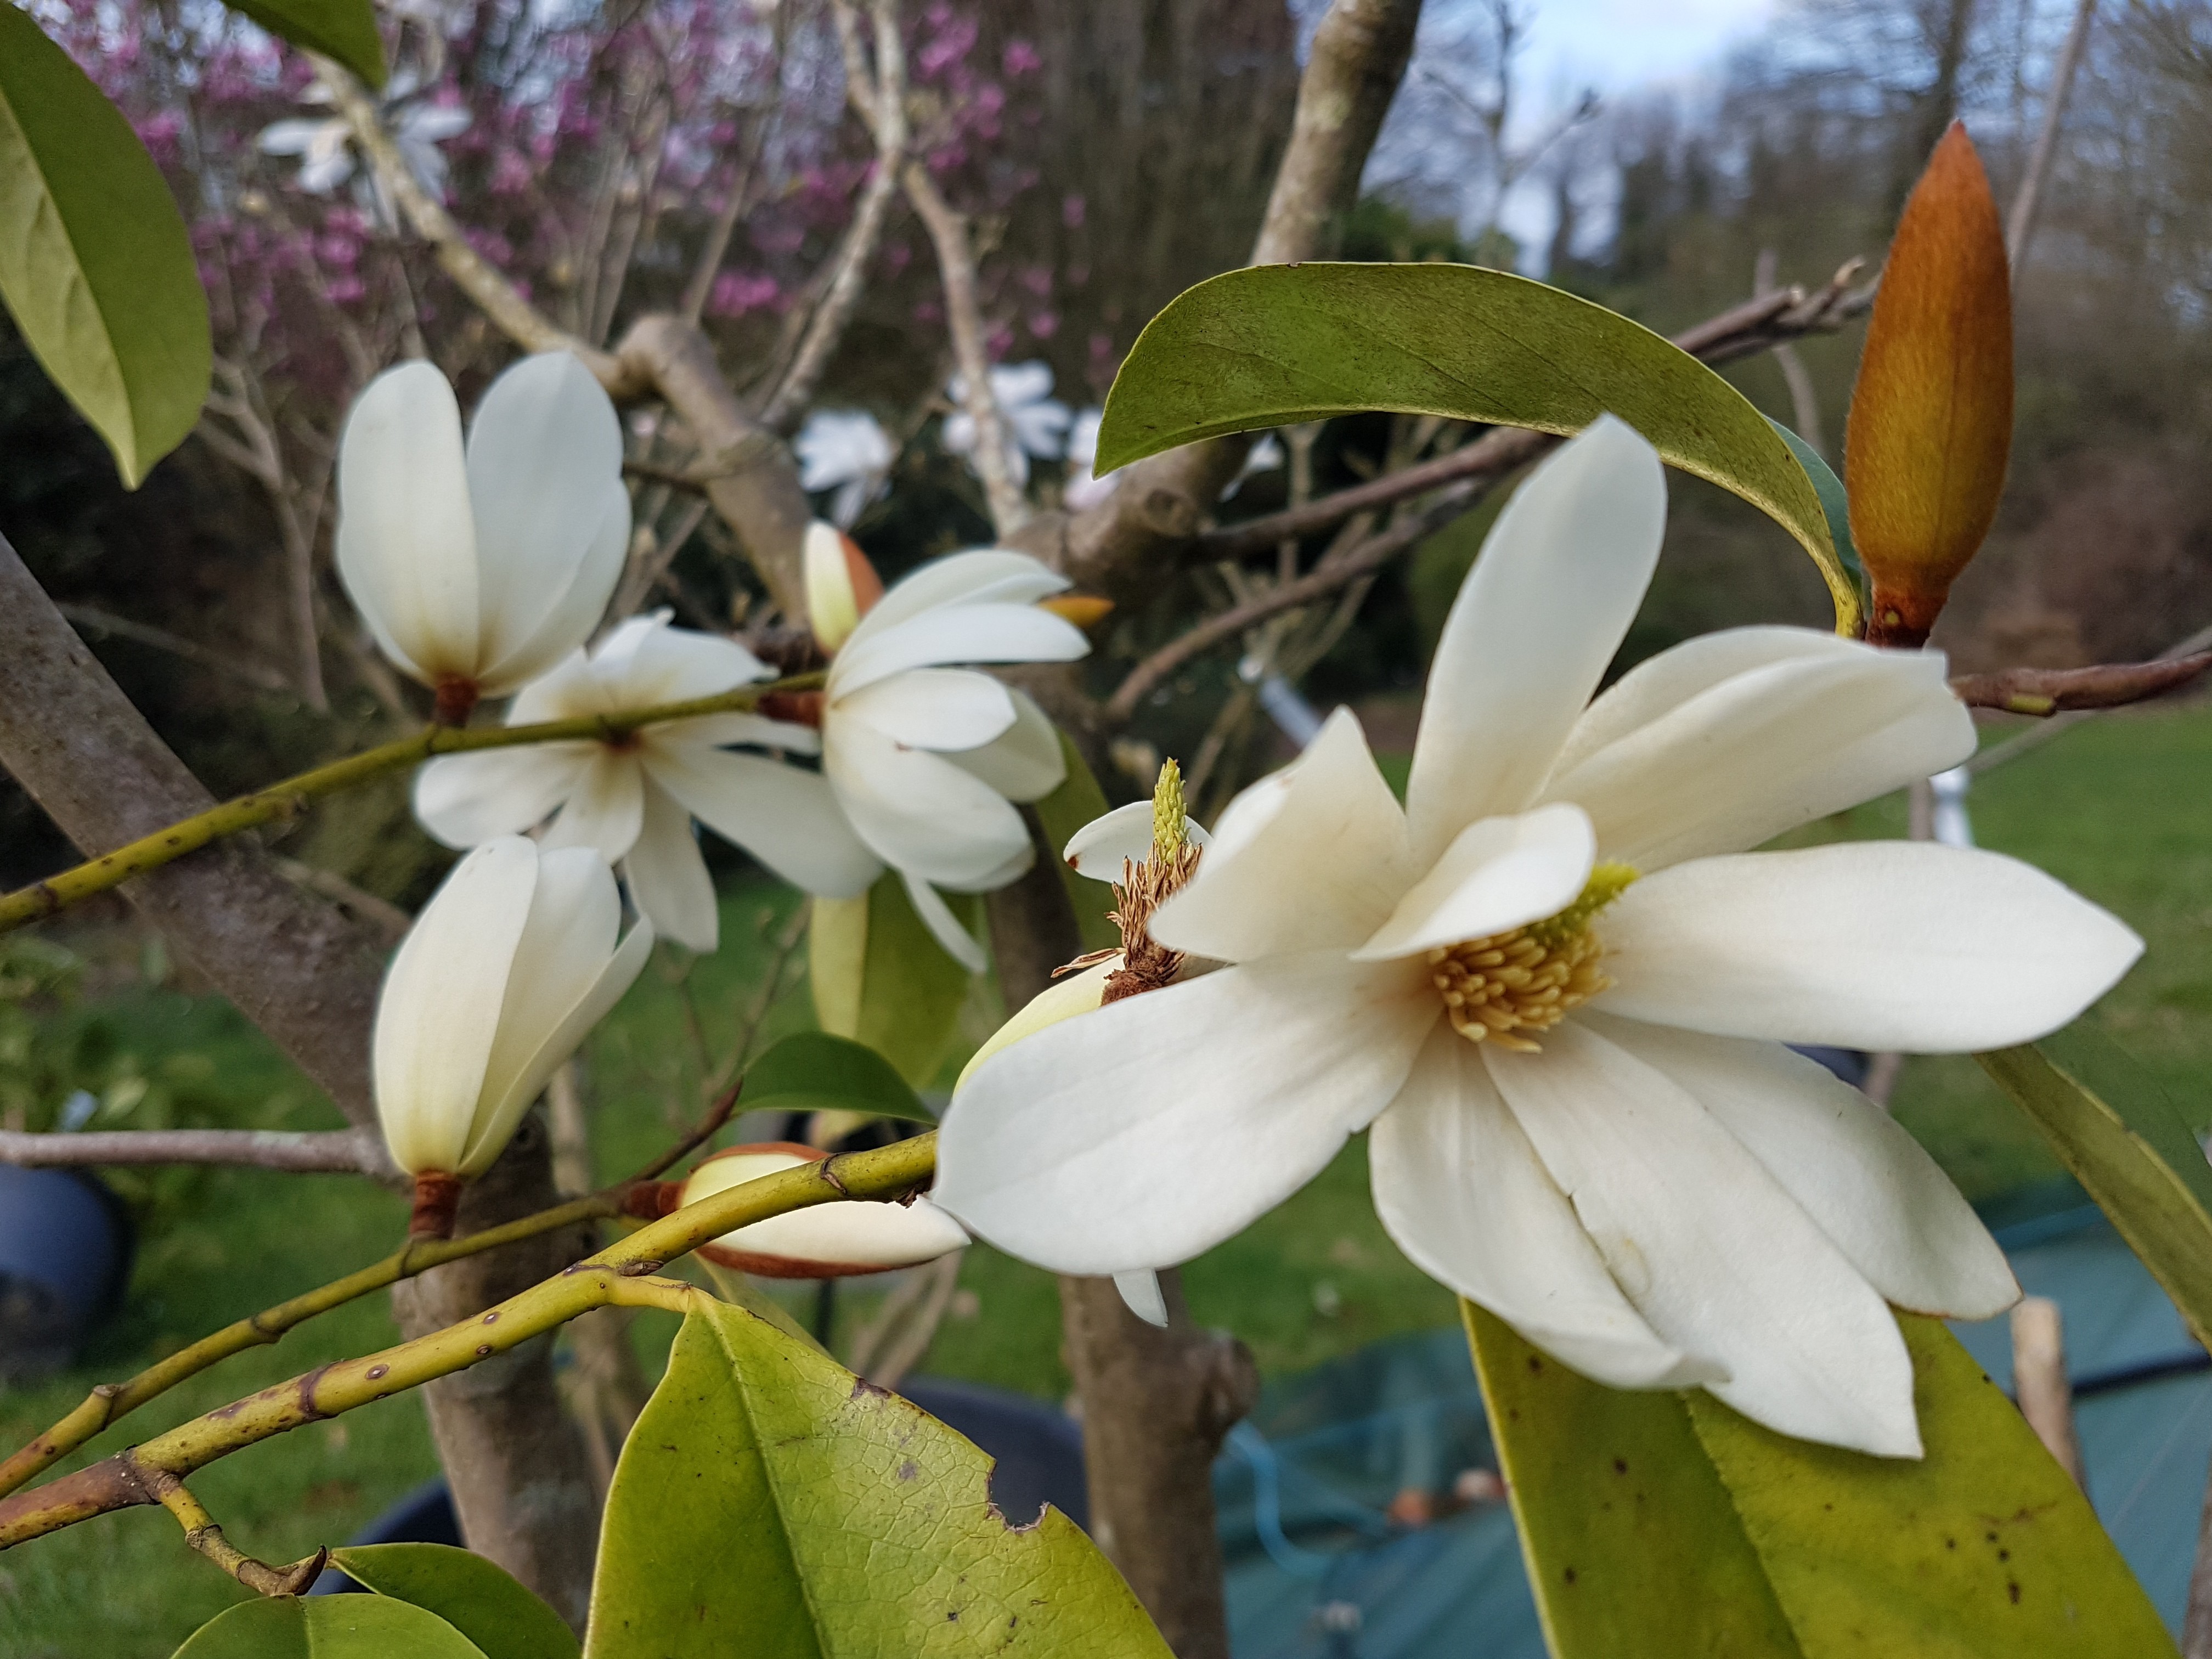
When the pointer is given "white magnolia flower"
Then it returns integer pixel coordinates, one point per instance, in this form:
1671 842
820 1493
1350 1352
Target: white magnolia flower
927 759
506 971
326 146
824 1241
1037 424
846 450
1557 988
634 800
480 566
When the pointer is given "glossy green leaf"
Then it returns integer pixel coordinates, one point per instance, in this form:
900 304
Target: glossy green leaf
1669 1527
880 977
476 1596
344 29
1834 504
2115 1130
817 1071
327 1627
1077 801
772 1504
95 264
1272 345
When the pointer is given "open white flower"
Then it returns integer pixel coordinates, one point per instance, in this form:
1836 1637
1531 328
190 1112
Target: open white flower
506 971
1037 422
846 450
325 146
926 760
824 1241
1558 990
479 566
634 800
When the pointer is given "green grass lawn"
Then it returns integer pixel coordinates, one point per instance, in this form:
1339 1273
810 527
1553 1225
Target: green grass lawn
2117 808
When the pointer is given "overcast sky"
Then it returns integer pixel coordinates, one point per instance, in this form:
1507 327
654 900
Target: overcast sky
1615 45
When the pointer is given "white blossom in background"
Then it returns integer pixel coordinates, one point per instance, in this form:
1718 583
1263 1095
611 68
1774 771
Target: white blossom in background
632 801
1082 489
927 759
325 148
482 565
1037 424
1265 456
505 972
824 1241
1559 989
846 450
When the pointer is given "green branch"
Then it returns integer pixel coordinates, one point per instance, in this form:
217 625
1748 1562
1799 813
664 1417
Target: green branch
111 1400
282 802
616 1276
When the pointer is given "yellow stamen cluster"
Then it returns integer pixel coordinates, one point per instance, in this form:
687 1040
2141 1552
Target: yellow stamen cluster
1147 964
1526 978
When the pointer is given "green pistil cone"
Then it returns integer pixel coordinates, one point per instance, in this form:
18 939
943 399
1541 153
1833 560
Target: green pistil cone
1167 811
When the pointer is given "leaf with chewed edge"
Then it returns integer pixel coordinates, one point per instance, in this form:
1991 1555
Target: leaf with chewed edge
769 1503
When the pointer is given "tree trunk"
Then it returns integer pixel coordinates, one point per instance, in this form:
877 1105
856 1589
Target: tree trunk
308 975
1155 1403
520 1480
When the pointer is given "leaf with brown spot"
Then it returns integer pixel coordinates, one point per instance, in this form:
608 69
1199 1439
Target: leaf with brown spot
1930 423
1723 1540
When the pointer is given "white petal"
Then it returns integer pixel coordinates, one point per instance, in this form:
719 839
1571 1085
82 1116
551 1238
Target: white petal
658 664
406 535
955 634
577 607
1140 1295
714 731
1849 1165
828 1239
1498 873
1709 1250
1658 685
568 690
606 808
439 1011
916 810
1064 998
1459 1188
983 576
500 1117
1768 750
1314 855
1100 848
1024 762
465 799
1148 1132
1868 945
786 818
543 446
668 875
933 708
944 926
1548 604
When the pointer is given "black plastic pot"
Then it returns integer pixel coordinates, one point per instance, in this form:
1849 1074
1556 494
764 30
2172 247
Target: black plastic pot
65 1248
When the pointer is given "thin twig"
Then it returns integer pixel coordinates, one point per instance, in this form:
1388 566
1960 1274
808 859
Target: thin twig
351 1151
2036 736
2046 691
2019 229
104 622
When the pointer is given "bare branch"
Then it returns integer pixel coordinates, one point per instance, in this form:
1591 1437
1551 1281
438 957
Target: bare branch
350 1152
831 317
380 914
2019 228
2046 691
103 621
2036 736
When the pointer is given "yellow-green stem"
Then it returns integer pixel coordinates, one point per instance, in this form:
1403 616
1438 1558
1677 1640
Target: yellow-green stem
286 800
616 1276
111 1400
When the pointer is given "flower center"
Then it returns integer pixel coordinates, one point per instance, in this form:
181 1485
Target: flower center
1525 980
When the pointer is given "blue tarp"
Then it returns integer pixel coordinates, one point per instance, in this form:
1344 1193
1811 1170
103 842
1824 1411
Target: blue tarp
1316 1571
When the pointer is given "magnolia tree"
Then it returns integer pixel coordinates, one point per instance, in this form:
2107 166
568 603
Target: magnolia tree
1702 1279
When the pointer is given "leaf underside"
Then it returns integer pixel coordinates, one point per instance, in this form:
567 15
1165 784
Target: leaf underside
1271 345
473 1594
881 978
95 264
819 1072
